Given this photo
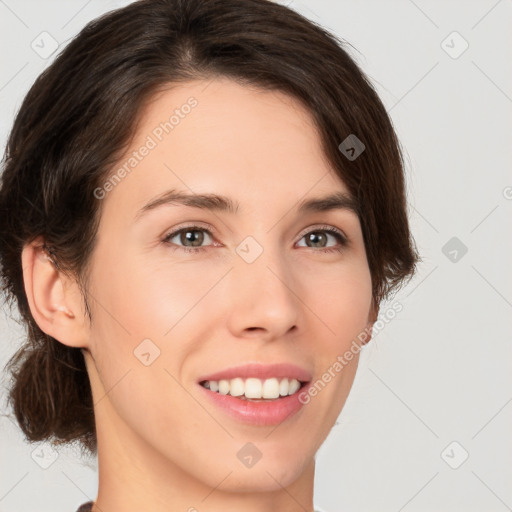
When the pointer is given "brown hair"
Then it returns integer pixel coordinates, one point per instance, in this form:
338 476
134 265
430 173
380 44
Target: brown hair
81 112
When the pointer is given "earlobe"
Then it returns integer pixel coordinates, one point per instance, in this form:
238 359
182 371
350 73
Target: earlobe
51 303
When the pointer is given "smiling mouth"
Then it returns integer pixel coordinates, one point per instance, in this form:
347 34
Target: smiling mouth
253 389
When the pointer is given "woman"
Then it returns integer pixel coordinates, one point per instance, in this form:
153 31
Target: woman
203 207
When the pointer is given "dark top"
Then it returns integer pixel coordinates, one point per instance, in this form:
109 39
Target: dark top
86 507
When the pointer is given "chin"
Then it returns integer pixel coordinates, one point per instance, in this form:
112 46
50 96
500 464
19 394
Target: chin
265 479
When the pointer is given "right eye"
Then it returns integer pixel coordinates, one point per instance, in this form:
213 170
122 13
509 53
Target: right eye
193 235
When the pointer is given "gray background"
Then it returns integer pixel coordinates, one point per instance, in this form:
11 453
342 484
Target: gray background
434 386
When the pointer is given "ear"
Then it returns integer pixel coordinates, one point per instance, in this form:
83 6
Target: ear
54 299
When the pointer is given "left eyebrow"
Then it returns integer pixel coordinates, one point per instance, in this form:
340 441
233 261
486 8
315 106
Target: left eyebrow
337 201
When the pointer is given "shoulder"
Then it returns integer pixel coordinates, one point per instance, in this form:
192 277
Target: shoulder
86 507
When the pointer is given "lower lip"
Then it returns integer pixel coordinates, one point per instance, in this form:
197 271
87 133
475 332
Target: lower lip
270 412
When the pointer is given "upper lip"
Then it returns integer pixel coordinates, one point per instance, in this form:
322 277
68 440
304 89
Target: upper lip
262 371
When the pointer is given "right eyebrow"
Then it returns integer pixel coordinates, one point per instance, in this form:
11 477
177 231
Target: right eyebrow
204 201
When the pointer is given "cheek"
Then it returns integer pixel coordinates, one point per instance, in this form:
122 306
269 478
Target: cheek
150 298
341 298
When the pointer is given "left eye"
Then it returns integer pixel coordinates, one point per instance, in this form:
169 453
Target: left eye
319 237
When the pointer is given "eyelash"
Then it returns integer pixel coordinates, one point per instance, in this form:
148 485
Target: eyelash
323 229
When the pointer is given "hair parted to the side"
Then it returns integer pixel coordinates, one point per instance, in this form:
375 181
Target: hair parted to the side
79 117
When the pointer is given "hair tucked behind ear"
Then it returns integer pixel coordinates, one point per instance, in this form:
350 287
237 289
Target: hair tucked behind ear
81 112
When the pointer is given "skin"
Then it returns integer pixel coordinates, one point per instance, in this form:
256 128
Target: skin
161 445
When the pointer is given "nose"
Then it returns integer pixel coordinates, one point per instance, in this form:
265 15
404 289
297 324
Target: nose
264 301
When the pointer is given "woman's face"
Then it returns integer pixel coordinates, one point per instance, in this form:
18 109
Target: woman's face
187 290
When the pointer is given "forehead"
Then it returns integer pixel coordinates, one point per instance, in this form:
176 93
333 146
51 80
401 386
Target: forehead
221 137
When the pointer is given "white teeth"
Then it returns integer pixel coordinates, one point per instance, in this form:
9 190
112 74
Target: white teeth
283 387
254 388
224 387
236 387
270 388
293 386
